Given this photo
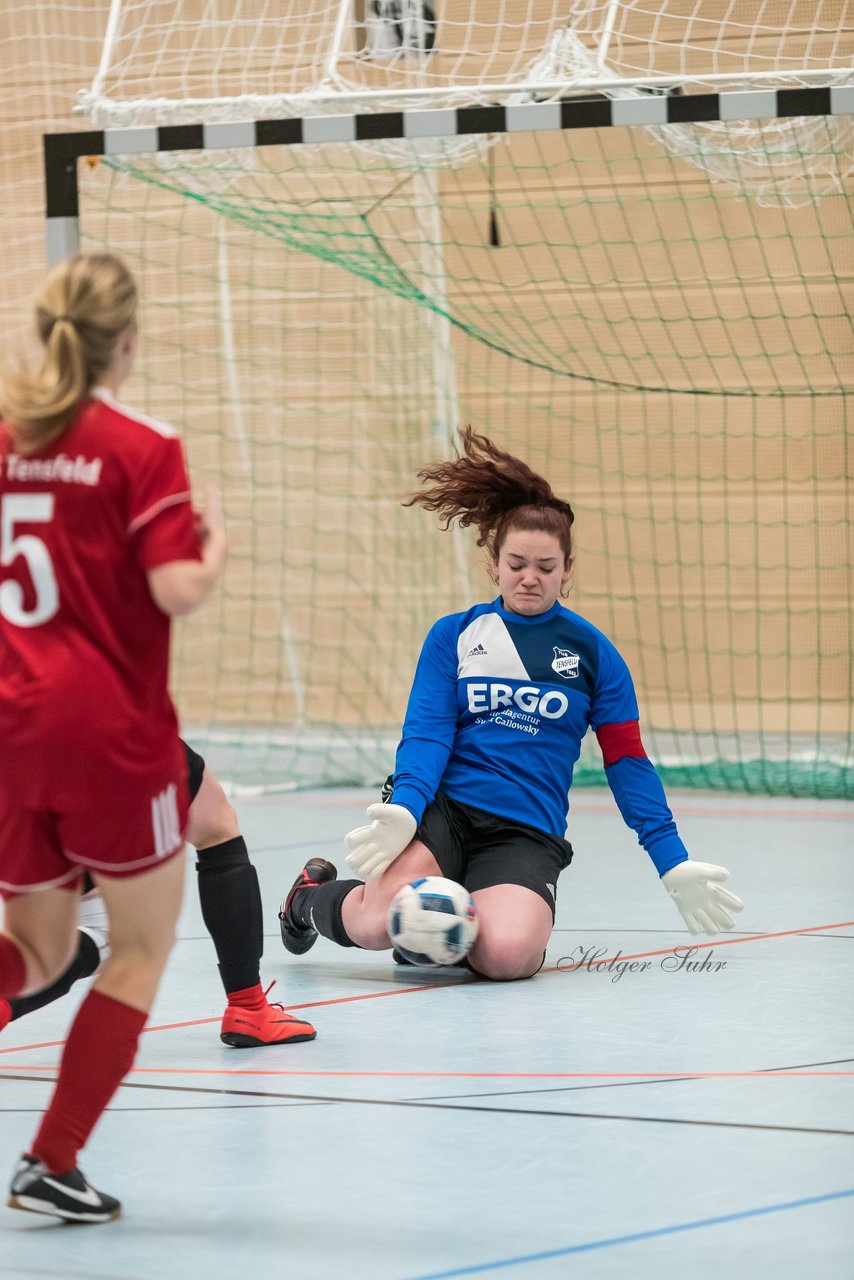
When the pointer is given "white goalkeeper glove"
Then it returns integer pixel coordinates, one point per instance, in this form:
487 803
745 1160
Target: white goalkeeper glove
703 902
374 848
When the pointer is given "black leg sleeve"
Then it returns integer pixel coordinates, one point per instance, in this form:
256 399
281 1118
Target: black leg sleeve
231 909
84 963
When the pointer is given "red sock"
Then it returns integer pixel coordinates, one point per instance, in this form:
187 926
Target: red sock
13 968
248 998
99 1052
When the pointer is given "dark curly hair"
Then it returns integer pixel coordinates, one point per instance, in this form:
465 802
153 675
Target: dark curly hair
491 489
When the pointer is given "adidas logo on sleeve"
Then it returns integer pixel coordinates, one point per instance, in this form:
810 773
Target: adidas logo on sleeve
477 652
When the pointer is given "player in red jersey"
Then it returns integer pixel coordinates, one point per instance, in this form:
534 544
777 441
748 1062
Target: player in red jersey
99 547
231 909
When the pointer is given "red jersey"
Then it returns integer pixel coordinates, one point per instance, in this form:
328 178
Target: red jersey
84 650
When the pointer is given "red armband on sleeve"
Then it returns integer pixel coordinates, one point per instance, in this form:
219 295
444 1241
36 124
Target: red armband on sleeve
620 740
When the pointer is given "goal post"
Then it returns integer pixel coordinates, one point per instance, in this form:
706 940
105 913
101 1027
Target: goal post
63 150
671 354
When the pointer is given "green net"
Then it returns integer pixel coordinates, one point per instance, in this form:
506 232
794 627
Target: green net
674 356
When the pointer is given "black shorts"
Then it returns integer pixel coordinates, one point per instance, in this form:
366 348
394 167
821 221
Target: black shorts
479 849
195 770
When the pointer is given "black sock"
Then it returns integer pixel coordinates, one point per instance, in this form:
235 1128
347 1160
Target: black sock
319 907
231 909
84 963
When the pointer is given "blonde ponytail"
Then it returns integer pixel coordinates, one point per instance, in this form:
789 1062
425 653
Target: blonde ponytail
84 306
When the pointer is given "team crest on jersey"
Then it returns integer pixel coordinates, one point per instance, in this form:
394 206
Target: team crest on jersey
565 663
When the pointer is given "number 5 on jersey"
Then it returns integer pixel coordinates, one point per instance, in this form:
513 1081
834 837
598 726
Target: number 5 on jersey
17 509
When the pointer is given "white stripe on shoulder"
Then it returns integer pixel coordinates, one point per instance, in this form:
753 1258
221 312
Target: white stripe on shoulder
486 649
154 424
154 510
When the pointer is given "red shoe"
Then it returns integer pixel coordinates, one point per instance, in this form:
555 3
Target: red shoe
5 1013
252 1028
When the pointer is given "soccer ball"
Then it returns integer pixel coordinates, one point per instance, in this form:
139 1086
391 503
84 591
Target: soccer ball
432 921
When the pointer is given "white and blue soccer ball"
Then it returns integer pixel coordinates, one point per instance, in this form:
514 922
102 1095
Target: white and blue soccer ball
432 921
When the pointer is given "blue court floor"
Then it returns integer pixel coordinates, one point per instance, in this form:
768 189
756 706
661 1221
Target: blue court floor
642 1122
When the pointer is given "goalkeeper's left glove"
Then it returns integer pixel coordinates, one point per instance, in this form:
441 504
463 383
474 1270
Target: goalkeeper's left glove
702 901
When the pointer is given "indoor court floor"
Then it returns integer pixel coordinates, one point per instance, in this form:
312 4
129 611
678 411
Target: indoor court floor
623 1122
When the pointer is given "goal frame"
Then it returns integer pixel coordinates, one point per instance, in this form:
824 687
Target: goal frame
63 151
637 104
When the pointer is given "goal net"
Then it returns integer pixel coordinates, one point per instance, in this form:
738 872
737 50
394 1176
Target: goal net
652 315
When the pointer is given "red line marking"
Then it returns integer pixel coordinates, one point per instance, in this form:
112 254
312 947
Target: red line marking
402 991
475 1075
701 946
201 1022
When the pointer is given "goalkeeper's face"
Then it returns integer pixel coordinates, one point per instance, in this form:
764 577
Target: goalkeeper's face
531 571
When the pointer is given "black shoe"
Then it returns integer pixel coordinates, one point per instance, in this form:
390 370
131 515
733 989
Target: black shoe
298 938
62 1195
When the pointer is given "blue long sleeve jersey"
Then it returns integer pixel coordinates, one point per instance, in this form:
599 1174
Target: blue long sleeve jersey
498 708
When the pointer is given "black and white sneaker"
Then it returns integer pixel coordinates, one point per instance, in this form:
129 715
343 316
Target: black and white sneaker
62 1195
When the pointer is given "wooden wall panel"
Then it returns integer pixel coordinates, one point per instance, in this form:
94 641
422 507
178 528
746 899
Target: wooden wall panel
713 532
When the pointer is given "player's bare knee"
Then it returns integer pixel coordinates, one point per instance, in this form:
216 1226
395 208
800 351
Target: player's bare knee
148 944
502 969
212 819
211 834
140 955
370 929
505 959
364 914
47 958
212 828
371 917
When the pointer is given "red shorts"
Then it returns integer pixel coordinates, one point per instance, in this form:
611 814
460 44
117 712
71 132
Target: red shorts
130 828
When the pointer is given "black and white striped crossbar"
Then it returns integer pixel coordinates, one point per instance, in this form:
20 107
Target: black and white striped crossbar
63 150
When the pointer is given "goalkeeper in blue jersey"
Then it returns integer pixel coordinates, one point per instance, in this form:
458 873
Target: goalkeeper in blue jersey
503 695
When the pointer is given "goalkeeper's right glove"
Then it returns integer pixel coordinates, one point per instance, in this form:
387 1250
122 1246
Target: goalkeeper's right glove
374 848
